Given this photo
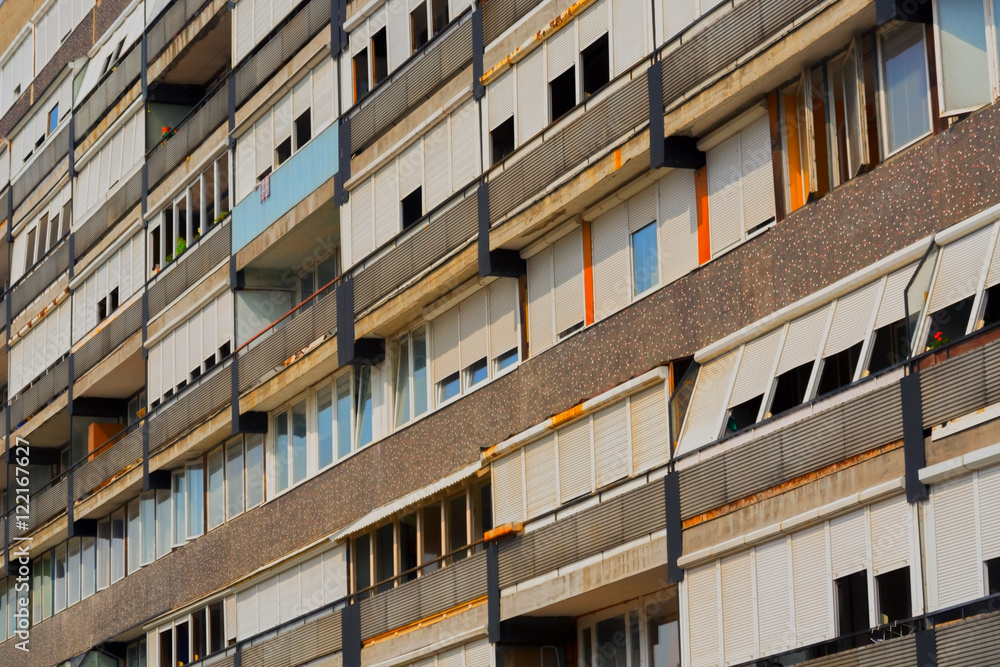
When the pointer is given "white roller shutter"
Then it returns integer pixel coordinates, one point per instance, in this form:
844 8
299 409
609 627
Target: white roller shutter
335 574
477 653
362 224
703 423
283 120
812 586
411 171
444 342
738 624
474 323
959 269
437 173
500 99
957 572
965 69
891 306
503 316
678 225
224 312
155 379
703 615
560 53
267 604
650 436
464 145
196 351
725 214
540 476
264 140
453 658
593 23
311 584
756 365
567 263
849 544
852 316
289 595
386 205
890 534
541 322
229 611
642 209
758 176
803 339
611 444
398 33
246 609
774 596
245 152
323 111
210 329
508 490
575 460
531 106
988 488
993 274
628 33
609 233
262 20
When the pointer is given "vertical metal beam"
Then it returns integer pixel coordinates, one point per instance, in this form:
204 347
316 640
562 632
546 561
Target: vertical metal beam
675 541
654 82
478 48
69 499
145 454
493 591
345 320
350 631
926 648
483 238
913 436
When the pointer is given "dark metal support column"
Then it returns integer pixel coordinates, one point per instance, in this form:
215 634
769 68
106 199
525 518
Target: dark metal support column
913 436
675 541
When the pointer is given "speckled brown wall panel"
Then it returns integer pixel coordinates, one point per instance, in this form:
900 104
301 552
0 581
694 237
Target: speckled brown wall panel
926 189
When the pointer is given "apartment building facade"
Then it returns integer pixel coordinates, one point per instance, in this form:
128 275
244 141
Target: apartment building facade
510 333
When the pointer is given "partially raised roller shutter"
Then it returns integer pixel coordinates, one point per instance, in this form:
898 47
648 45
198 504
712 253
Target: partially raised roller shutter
678 225
576 459
756 365
541 318
703 423
725 204
541 489
852 316
959 269
804 337
508 490
650 436
445 344
567 263
609 233
611 444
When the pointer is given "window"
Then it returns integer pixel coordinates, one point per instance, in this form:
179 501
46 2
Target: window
178 482
110 283
595 60
852 604
73 572
893 590
344 416
450 387
439 8
949 323
410 375
838 370
254 470
147 527
59 577
53 119
103 553
562 94
235 493
303 129
118 545
418 26
663 642
889 347
362 406
790 389
502 140
611 637
743 415
164 523
360 75
906 94
196 506
380 57
967 71
412 208
645 259
216 489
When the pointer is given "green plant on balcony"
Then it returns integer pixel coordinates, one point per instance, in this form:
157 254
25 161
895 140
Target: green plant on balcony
181 246
170 257
220 217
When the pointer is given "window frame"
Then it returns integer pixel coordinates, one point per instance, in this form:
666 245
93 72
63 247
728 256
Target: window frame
624 609
882 92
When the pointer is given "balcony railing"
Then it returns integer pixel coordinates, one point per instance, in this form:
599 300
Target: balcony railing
50 385
123 200
40 277
108 338
292 182
107 92
189 409
203 255
43 163
161 33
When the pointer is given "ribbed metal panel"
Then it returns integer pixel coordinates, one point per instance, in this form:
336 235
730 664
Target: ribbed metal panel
108 463
269 351
192 266
960 385
38 395
263 63
421 75
45 505
192 131
970 642
169 24
104 218
439 591
106 93
413 253
498 15
189 409
108 339
803 447
55 152
42 276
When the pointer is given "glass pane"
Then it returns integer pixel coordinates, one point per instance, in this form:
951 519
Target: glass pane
134 536
419 338
103 554
965 70
458 529
255 470
147 515
408 545
117 545
180 508
324 427
362 563
633 638
343 416
645 265
907 89
88 567
60 577
611 648
217 627
299 451
363 405
73 572
47 586
281 452
401 380
164 523
216 489
196 504
432 542
234 479
385 556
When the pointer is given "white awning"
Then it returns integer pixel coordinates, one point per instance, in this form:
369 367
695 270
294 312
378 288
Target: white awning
409 499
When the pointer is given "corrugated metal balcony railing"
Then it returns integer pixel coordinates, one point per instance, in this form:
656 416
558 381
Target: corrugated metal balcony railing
169 24
193 406
498 15
313 639
423 73
105 341
107 92
34 398
54 152
212 112
119 454
107 216
41 277
292 182
196 263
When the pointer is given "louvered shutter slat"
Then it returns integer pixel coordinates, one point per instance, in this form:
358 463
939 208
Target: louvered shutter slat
567 262
891 305
508 489
737 608
957 572
758 177
703 423
725 215
756 365
811 586
362 232
650 436
540 476
611 262
803 339
678 225
611 444
500 99
531 104
445 341
503 316
541 321
703 615
852 316
848 542
959 269
474 326
387 222
890 534
560 52
774 593
575 460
